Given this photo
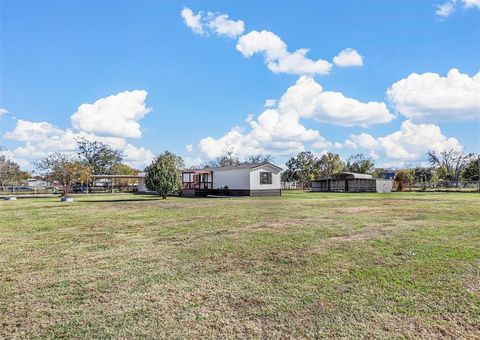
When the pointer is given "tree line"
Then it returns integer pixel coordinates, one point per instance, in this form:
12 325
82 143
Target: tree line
307 167
162 175
449 166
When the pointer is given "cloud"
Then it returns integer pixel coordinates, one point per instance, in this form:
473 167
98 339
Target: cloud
194 21
279 131
274 50
445 9
189 147
3 111
363 140
448 7
410 143
116 115
31 131
277 57
308 99
42 138
110 120
348 57
431 97
220 24
270 103
471 3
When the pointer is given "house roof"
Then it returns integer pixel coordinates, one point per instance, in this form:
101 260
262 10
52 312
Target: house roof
236 167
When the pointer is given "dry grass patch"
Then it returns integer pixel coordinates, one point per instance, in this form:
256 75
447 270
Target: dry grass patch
300 266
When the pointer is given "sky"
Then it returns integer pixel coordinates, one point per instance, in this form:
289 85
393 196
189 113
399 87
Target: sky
390 79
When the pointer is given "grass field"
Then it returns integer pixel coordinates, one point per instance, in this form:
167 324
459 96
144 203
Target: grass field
303 265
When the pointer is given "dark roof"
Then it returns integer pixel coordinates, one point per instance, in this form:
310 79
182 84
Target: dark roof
234 167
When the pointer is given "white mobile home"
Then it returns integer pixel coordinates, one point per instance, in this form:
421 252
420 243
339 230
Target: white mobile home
261 179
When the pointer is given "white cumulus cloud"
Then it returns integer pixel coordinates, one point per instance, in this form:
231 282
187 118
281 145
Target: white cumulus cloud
270 103
277 57
445 9
274 50
110 120
347 58
431 97
222 25
279 131
194 21
204 23
308 99
31 131
3 111
410 143
116 115
448 7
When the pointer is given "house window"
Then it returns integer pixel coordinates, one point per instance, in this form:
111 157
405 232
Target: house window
265 178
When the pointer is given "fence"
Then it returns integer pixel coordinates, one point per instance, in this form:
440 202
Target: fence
462 186
290 185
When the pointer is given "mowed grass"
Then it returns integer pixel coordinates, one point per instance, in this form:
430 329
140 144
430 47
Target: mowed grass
302 265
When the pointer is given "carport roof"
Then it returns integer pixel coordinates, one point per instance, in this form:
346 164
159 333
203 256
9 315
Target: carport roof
347 175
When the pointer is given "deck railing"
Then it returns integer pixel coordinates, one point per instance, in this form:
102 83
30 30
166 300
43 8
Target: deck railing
197 185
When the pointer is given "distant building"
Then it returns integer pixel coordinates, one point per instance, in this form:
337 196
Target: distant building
260 179
351 182
386 175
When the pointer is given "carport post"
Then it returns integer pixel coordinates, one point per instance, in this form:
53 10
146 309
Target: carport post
113 183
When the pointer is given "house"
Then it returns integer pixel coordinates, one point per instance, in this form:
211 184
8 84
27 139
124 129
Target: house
351 182
259 179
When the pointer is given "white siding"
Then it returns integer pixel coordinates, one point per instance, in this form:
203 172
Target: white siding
255 179
141 185
232 178
384 185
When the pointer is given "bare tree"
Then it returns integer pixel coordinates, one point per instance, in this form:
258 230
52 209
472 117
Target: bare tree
450 163
259 158
228 158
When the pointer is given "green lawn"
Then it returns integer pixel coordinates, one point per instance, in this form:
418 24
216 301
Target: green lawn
302 265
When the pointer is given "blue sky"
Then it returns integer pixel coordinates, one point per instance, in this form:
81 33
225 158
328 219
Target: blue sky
168 84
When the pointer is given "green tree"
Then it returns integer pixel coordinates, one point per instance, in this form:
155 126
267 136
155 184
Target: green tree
126 170
10 172
163 174
404 176
100 156
303 168
330 163
472 169
360 164
66 169
423 175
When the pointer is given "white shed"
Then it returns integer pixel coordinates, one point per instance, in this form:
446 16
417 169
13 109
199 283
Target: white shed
260 179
